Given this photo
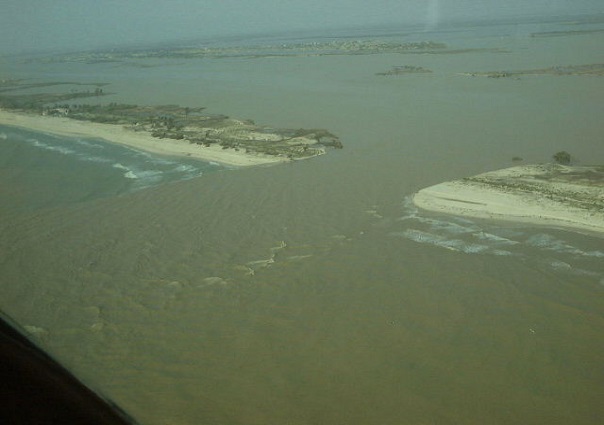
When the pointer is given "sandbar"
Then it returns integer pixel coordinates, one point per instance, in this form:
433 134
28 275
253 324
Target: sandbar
138 140
552 195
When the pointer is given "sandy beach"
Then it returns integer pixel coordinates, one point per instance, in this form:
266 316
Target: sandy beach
137 140
550 195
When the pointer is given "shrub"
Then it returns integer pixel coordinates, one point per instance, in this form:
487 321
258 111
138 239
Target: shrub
562 157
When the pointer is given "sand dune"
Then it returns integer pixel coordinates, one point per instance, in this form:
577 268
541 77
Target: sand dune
552 195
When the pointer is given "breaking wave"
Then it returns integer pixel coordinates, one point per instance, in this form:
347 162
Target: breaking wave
572 254
53 148
140 169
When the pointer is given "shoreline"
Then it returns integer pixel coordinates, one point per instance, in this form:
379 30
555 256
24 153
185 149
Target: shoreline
543 195
143 141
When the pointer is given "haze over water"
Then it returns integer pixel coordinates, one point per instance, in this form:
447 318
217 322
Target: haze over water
313 292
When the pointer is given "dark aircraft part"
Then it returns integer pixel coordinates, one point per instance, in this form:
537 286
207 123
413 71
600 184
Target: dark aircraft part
35 389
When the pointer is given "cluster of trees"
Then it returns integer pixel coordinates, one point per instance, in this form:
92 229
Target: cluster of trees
562 157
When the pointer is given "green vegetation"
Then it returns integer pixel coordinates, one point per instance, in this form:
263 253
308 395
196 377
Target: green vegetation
172 122
596 69
405 69
562 157
577 187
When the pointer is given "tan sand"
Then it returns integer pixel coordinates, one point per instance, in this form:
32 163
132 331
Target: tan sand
137 140
551 195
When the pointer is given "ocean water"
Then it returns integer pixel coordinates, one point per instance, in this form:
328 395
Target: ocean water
44 171
314 292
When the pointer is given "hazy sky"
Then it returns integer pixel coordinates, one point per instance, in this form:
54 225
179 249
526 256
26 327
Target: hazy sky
79 24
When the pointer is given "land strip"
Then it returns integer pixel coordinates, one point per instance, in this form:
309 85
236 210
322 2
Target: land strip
553 195
163 129
596 69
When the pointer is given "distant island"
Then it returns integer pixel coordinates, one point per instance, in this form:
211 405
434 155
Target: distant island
405 69
323 48
340 47
554 195
164 129
596 69
566 33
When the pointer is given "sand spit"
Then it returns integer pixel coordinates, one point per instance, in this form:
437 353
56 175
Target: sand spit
137 140
553 195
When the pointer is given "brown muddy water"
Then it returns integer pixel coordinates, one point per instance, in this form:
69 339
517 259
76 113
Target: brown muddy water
313 292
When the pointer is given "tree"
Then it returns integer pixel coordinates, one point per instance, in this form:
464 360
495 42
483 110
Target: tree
562 157
169 121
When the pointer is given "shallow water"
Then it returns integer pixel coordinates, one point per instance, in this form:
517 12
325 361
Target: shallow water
314 292
45 171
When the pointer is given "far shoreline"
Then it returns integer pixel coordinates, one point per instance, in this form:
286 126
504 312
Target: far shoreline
114 133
